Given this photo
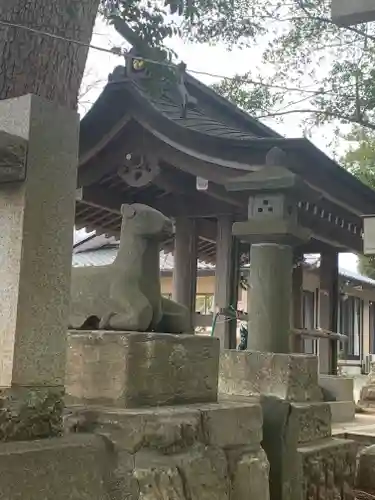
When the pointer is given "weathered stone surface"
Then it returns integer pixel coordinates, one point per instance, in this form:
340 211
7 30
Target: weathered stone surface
13 151
205 473
173 429
365 479
141 369
177 453
337 388
342 411
367 396
121 481
36 259
294 434
309 421
199 474
270 290
250 477
126 295
53 469
168 429
232 424
328 469
159 482
289 376
30 413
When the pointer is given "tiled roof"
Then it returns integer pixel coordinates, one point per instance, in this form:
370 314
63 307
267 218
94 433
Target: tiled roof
106 254
195 119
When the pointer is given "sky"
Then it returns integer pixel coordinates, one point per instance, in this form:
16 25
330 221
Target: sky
206 58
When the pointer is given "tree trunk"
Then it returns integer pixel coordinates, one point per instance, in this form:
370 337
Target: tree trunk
37 64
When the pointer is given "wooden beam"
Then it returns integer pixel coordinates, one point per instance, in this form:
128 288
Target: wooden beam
329 297
185 263
328 232
297 300
170 205
226 280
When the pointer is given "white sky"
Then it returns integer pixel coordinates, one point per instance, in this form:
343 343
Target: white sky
206 58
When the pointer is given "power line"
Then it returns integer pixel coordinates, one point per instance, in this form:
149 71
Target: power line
117 51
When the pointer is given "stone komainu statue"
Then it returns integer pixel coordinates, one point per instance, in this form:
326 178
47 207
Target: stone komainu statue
126 295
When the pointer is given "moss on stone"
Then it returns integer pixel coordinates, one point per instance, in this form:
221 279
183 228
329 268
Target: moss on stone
29 413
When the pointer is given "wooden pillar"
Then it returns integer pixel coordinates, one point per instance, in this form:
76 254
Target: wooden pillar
270 297
328 310
185 263
226 280
297 301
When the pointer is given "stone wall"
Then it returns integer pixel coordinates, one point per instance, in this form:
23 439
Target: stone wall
195 452
306 463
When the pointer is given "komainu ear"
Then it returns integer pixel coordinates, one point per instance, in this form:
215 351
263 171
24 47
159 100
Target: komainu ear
128 211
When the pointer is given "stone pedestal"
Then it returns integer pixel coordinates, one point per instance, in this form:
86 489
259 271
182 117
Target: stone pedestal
293 377
204 451
38 164
130 370
339 393
365 480
367 397
305 461
71 467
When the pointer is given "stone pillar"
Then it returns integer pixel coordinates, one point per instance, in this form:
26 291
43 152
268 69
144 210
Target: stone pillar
185 263
36 220
270 297
226 280
328 311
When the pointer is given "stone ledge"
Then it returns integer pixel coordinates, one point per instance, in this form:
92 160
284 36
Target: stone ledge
71 467
291 377
195 452
172 429
30 413
342 411
131 370
365 479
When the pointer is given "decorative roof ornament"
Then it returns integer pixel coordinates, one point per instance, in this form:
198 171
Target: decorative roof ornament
276 157
139 170
169 79
187 100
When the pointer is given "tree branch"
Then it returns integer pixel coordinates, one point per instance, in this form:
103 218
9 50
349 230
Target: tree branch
331 114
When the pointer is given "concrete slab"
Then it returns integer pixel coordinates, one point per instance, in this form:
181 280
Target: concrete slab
342 411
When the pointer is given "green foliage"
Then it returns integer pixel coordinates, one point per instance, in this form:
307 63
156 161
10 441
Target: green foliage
327 72
317 69
360 161
209 21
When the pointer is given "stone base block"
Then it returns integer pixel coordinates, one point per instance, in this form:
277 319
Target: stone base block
141 369
226 424
367 397
342 411
327 469
292 377
195 452
28 413
53 469
337 388
299 433
365 479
